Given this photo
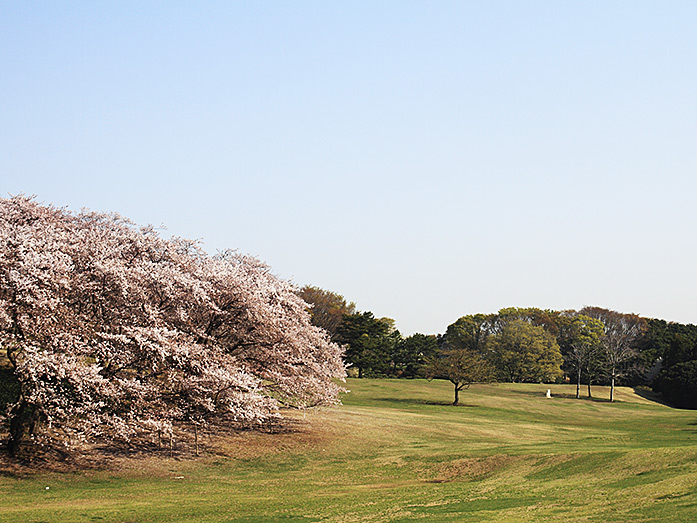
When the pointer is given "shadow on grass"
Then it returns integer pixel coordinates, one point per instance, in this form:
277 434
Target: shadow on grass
652 396
110 454
414 401
34 459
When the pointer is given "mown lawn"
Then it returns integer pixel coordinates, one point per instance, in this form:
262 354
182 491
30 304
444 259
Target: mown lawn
396 451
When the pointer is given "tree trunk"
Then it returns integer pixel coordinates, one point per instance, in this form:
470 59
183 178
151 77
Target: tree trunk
196 437
23 419
457 396
612 388
578 385
589 388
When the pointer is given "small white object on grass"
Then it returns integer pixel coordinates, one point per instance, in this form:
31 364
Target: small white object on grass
48 488
549 393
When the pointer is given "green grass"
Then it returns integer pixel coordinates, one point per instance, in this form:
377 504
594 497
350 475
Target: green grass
396 451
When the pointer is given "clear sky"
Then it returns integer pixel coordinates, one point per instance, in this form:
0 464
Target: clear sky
426 159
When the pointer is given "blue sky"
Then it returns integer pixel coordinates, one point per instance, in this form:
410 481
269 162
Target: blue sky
424 159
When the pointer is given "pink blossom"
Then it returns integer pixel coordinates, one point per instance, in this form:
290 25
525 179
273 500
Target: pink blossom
112 329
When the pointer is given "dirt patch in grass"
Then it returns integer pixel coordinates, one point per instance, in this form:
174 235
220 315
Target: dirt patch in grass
471 468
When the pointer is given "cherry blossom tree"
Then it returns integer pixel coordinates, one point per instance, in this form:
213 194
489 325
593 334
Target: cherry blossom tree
111 330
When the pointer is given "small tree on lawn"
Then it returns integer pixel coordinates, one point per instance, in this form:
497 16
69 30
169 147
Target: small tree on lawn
460 366
461 358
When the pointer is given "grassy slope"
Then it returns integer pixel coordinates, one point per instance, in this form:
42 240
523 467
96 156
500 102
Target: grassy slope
397 452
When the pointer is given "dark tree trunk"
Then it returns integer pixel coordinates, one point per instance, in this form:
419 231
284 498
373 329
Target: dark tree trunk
23 419
612 387
457 395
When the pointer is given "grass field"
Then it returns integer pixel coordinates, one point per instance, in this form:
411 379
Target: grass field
396 451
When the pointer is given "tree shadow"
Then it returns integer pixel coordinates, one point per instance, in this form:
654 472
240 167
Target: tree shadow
653 396
35 458
103 454
415 401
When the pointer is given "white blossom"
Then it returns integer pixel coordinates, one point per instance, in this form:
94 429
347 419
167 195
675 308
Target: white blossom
112 329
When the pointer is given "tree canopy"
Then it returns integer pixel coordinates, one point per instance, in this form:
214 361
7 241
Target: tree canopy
470 332
620 339
671 350
583 354
412 353
369 341
111 330
524 352
327 308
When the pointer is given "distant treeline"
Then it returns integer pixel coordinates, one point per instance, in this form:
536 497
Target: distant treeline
587 347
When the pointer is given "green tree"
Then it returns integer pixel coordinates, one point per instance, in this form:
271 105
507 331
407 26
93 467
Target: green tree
672 348
461 357
327 308
522 352
459 365
551 320
412 353
470 332
678 384
680 344
583 335
654 345
369 342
